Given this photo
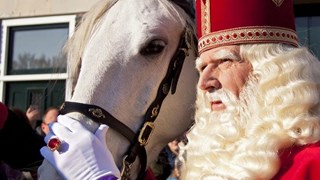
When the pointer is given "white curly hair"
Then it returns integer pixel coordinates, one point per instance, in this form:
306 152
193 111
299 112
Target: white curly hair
279 107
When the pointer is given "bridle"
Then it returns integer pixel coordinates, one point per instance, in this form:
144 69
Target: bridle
139 140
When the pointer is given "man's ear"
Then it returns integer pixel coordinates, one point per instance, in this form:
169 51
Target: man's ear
42 126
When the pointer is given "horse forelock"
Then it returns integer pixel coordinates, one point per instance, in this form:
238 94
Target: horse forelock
76 44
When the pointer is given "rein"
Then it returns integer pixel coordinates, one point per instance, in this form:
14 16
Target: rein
139 140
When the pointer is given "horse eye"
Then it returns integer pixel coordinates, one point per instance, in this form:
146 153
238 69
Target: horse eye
153 48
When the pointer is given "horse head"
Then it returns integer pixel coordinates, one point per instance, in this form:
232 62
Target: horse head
126 48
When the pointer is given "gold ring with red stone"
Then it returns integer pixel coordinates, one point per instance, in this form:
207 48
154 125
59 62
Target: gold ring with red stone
54 144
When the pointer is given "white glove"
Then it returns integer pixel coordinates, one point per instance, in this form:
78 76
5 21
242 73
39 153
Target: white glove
82 154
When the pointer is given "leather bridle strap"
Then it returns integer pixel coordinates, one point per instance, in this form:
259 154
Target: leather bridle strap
98 115
170 80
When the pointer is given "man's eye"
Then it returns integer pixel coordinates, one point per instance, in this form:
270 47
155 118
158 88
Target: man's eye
202 68
226 63
226 60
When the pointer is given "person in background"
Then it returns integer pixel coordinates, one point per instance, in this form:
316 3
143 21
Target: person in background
20 144
50 115
176 163
164 166
33 114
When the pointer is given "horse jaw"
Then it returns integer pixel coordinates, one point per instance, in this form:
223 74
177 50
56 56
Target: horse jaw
177 112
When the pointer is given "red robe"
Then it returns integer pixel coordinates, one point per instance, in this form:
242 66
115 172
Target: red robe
300 163
297 163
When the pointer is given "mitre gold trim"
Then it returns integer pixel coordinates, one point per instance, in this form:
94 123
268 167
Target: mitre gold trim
278 2
245 35
205 17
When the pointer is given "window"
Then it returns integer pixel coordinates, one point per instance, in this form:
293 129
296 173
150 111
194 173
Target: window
308 25
33 67
308 29
37 49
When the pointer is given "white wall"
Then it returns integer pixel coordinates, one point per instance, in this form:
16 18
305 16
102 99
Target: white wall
29 8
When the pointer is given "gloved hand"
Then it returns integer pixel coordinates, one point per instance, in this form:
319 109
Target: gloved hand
82 154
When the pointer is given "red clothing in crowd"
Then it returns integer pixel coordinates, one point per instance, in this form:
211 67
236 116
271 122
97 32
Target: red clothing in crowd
149 175
3 115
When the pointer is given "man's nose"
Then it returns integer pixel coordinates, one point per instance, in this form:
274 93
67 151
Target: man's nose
208 81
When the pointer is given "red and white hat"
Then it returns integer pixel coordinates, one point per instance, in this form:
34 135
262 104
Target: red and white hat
230 22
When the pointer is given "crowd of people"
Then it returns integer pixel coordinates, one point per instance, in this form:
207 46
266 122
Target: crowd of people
167 166
21 142
257 108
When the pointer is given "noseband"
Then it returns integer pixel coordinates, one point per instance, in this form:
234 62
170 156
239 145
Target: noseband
139 140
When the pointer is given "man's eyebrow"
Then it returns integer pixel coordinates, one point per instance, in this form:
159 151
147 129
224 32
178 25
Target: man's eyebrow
225 54
219 55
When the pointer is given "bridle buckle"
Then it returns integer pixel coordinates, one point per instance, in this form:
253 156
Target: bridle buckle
145 133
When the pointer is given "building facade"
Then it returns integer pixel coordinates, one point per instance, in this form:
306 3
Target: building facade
33 67
308 24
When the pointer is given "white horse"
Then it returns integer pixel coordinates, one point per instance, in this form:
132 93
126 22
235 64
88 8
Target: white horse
125 47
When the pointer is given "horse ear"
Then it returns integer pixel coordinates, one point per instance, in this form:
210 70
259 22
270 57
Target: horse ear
187 6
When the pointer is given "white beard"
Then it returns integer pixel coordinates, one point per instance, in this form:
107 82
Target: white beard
219 146
223 123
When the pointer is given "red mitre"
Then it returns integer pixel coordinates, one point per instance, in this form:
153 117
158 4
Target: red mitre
229 22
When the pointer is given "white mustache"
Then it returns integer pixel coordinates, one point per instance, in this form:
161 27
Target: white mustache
225 96
218 95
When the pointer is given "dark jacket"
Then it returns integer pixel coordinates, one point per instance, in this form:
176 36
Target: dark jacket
20 144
